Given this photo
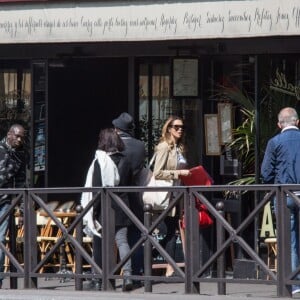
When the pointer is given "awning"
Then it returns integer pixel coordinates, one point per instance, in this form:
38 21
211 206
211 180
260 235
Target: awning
146 21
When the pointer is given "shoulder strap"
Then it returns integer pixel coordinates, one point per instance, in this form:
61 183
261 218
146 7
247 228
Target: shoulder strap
152 160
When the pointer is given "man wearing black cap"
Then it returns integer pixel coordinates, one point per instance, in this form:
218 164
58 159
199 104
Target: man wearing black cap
135 151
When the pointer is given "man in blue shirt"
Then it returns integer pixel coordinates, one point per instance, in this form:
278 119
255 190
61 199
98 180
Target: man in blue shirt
281 165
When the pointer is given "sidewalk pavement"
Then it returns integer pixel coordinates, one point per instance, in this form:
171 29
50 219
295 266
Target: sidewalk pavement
53 289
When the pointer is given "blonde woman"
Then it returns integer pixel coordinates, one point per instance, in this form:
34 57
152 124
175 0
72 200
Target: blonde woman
170 163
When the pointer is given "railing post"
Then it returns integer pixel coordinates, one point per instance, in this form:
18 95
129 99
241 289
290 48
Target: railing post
148 249
13 250
30 244
220 241
78 256
192 242
283 239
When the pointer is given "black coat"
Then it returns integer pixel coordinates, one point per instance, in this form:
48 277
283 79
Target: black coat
125 173
12 169
136 153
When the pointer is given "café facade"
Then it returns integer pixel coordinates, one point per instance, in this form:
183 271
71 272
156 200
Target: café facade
68 68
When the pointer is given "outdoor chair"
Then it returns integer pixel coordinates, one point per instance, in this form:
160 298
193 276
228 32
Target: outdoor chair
271 244
50 234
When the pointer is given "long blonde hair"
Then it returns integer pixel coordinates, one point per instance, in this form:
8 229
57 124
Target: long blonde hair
166 135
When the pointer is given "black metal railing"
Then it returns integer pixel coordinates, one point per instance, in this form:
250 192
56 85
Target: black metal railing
224 233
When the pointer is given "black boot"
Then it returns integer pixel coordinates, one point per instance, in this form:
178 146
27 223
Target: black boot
95 284
127 282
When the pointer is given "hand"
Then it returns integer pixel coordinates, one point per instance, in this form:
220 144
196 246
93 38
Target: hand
20 221
185 173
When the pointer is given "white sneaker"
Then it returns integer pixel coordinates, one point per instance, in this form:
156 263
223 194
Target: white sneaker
296 290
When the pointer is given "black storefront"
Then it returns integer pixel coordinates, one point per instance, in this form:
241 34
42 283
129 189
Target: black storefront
66 92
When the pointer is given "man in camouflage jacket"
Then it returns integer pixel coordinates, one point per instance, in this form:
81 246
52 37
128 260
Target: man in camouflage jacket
12 175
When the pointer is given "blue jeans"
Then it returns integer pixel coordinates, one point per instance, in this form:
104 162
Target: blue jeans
294 218
137 257
123 247
3 229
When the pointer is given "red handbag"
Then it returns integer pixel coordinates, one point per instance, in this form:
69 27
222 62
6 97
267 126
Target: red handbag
204 218
199 176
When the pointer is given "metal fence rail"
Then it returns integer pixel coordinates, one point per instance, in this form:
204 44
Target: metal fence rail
225 234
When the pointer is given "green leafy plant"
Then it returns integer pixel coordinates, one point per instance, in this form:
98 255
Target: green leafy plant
243 141
244 135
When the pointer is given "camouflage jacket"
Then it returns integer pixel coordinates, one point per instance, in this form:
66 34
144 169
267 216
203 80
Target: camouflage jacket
12 169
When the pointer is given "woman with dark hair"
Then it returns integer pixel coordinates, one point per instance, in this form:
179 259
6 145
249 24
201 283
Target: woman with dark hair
170 164
110 168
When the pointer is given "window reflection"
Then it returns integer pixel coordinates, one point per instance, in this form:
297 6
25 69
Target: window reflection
14 97
156 105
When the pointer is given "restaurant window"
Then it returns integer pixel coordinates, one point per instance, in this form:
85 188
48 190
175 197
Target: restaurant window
156 104
15 85
15 95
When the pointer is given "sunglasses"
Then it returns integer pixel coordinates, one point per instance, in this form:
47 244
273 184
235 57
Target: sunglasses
177 127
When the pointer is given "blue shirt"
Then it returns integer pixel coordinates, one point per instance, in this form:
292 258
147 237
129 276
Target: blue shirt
281 163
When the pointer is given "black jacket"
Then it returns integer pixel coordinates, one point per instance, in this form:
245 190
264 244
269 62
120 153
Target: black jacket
12 169
136 153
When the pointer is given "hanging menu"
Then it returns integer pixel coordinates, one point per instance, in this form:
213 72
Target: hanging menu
39 122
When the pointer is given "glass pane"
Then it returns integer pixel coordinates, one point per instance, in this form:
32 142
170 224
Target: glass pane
14 98
144 103
161 102
26 88
8 92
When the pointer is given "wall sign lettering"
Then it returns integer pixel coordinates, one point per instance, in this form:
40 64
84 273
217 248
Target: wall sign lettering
144 20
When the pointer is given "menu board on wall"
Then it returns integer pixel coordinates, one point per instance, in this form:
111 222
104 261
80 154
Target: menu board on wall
185 77
39 123
212 139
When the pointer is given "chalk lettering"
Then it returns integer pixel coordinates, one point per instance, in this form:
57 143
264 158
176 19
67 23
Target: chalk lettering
134 23
98 23
70 23
168 23
21 23
281 84
262 16
7 26
145 22
32 25
108 25
122 23
192 21
88 24
239 18
283 16
296 16
49 24
212 18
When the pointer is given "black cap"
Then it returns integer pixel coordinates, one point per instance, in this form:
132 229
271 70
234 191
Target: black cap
124 122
